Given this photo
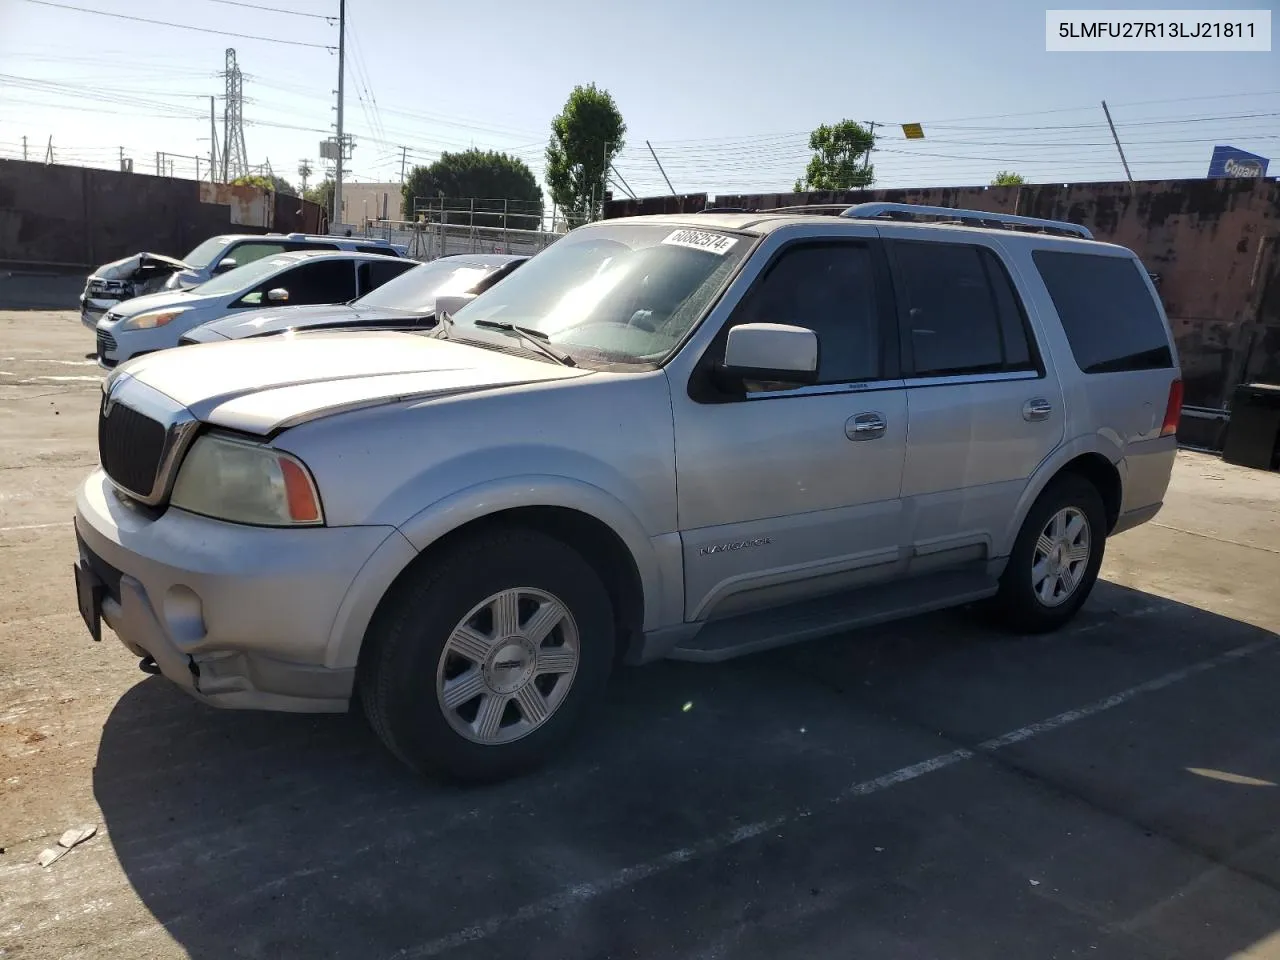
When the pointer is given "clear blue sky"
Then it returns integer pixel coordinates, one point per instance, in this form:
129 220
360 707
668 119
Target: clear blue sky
726 91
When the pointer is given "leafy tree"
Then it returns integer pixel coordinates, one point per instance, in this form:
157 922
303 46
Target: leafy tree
322 194
1007 178
840 158
493 180
273 183
585 137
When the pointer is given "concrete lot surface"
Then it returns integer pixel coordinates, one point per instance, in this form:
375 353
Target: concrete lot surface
930 789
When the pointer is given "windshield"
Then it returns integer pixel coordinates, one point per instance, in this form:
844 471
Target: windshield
203 255
626 293
243 278
416 290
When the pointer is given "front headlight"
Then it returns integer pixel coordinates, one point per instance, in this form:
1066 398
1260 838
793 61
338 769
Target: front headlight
246 482
152 319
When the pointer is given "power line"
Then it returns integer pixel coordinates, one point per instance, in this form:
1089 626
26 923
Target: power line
180 26
293 13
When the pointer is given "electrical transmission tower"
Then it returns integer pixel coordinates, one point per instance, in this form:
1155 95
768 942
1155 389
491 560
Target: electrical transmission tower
235 158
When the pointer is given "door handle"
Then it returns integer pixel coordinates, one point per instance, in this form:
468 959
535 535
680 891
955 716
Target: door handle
1037 409
865 426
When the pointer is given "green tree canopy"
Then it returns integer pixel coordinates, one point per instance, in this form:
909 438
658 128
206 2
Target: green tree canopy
322 194
493 180
840 161
277 184
1007 178
585 137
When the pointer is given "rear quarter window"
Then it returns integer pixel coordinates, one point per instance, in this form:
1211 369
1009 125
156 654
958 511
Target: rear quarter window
1108 313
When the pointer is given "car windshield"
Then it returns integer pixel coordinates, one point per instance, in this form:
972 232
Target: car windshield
243 278
621 293
203 255
416 290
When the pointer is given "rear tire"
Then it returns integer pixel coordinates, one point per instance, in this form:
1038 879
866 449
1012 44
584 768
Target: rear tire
483 661
1056 557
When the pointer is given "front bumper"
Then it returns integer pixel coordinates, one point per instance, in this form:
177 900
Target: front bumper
237 616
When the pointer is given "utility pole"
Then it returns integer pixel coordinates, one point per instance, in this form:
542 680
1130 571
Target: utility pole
157 163
304 171
866 157
24 147
48 154
213 145
342 143
660 170
1116 138
604 176
404 152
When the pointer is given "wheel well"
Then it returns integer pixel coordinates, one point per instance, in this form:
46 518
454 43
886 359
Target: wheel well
593 539
1099 471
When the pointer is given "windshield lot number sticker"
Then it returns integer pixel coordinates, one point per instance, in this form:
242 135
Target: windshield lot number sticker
701 240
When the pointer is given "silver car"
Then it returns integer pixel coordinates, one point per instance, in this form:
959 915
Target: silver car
682 436
158 320
143 273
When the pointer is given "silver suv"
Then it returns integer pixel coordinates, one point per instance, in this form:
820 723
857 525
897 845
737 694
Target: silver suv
692 437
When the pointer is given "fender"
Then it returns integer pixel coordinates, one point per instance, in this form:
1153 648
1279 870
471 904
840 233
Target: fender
443 516
1106 444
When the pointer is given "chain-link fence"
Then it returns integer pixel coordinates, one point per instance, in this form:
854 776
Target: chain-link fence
427 241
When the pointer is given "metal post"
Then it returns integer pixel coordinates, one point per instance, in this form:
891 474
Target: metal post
157 163
337 164
213 145
604 177
197 167
660 170
1116 138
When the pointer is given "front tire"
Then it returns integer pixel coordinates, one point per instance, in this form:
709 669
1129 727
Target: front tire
1056 557
482 662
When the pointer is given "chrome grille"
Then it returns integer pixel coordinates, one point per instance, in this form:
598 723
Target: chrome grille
131 447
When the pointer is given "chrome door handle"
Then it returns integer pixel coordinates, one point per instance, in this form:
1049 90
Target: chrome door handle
1037 409
865 426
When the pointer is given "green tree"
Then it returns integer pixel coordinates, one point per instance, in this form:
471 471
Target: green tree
1007 178
585 137
322 194
492 180
840 161
274 183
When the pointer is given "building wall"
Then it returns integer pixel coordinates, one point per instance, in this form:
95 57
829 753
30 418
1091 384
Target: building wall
78 218
1213 244
363 200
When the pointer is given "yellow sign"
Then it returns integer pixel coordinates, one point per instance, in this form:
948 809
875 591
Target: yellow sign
913 131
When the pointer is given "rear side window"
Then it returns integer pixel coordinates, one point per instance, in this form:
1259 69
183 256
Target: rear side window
1107 311
385 251
374 274
960 313
253 250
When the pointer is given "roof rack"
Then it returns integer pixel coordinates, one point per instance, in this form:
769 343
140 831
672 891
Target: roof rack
838 208
969 218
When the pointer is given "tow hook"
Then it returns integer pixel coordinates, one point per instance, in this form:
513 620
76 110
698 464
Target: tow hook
148 665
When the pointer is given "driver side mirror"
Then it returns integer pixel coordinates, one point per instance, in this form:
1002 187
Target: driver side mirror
772 352
225 264
278 295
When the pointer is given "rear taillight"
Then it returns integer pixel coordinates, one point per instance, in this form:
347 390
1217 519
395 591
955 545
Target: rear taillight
1173 410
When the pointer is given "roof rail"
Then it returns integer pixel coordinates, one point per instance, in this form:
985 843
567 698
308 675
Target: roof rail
807 208
976 218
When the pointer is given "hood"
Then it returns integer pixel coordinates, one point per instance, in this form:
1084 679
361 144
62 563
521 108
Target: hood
263 385
157 301
126 267
254 323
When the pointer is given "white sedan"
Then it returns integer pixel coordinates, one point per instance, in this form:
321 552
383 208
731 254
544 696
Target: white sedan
158 320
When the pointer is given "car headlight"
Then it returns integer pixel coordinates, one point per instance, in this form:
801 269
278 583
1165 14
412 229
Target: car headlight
152 319
246 482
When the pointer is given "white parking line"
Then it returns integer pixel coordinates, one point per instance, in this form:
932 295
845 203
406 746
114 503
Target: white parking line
68 363
584 892
35 526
